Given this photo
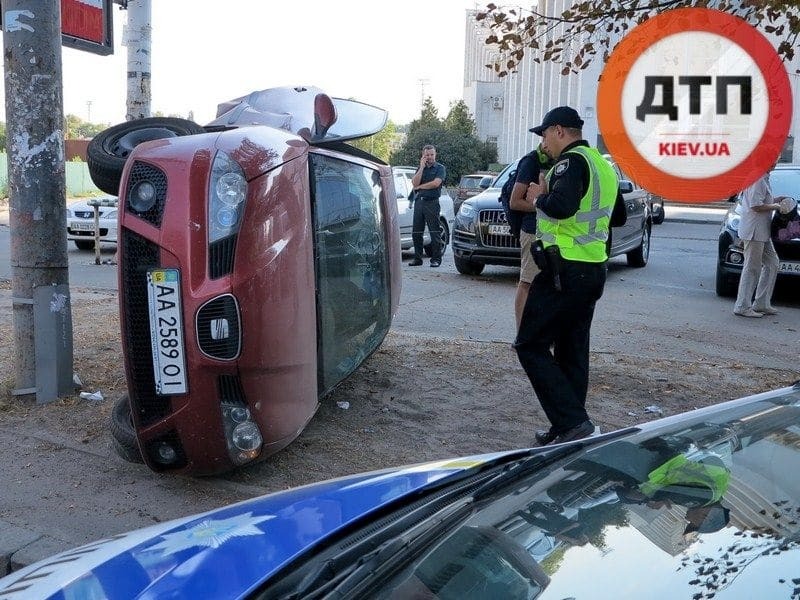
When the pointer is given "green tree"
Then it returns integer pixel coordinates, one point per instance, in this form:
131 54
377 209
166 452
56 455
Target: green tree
2 136
456 145
76 128
379 144
460 119
592 26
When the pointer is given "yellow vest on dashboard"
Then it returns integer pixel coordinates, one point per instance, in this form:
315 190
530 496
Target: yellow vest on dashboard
582 237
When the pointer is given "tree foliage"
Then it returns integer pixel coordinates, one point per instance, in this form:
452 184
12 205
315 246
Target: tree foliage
457 148
379 144
576 36
76 128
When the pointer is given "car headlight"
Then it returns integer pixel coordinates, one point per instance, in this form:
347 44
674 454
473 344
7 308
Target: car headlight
466 210
242 435
732 221
227 192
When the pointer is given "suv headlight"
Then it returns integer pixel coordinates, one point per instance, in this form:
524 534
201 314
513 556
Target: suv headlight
466 210
227 192
732 220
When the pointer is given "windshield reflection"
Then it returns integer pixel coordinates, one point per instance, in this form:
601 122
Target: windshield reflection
683 514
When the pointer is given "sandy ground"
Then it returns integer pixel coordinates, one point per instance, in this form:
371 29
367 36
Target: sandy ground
415 399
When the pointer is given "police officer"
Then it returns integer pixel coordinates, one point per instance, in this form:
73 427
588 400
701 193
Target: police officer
528 170
574 206
427 182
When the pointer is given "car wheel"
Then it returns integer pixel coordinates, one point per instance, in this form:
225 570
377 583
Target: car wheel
468 267
658 214
444 238
638 256
123 437
83 245
727 286
109 149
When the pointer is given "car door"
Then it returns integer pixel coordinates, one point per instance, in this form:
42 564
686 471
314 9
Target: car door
630 234
405 212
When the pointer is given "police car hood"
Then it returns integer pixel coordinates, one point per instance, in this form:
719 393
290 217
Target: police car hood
226 552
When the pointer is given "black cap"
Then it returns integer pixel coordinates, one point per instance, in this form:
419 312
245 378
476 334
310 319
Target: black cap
561 115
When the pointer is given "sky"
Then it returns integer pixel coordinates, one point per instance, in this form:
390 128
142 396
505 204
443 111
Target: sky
371 51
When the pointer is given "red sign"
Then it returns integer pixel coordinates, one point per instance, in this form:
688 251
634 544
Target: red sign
87 25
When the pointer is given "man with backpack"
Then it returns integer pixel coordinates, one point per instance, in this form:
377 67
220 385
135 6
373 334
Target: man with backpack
522 218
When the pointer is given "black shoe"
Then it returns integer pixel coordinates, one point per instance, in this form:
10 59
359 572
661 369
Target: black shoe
415 263
578 432
435 262
545 436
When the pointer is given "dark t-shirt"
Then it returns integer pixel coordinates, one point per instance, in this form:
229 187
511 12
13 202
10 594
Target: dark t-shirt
429 174
528 171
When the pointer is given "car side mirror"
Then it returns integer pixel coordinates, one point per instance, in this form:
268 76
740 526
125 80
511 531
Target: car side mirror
733 198
485 183
625 186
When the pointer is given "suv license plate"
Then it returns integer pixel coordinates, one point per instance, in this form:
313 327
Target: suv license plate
166 330
789 267
499 229
77 226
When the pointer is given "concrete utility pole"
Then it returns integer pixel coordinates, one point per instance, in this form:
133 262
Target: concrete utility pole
39 269
137 38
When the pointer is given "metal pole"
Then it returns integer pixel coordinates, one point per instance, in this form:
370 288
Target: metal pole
37 187
137 39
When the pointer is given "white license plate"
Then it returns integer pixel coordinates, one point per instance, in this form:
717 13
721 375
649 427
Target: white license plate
166 330
789 267
499 230
75 226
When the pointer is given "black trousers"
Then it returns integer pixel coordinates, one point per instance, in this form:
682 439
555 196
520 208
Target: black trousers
562 320
426 212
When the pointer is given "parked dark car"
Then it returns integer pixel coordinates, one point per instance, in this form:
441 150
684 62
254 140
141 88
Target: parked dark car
259 266
784 181
481 235
701 505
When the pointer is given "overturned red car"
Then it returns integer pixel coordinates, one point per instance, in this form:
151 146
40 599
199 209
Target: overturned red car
259 265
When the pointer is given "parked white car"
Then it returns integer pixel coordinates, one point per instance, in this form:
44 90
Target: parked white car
80 221
405 212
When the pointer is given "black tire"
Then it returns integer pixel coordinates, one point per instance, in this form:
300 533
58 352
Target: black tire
726 286
109 149
444 238
638 257
123 437
468 267
658 215
84 245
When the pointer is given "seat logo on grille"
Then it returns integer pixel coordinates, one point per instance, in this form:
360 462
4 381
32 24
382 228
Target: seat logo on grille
220 329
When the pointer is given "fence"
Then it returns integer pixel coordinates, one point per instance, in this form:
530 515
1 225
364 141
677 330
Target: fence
79 183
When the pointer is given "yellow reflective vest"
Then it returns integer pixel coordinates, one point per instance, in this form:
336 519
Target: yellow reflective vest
582 237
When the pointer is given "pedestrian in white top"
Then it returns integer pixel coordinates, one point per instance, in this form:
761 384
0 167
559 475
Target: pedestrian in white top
760 259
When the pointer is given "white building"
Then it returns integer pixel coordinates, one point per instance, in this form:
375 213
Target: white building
505 108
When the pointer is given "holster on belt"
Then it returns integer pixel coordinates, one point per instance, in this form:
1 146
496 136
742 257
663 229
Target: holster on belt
553 258
537 250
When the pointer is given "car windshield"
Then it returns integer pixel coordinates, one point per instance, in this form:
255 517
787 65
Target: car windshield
691 509
501 179
785 182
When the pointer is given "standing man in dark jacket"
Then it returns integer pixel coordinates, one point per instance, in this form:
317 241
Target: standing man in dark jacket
574 206
427 182
528 170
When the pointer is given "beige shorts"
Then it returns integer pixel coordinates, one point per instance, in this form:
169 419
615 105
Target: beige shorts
528 268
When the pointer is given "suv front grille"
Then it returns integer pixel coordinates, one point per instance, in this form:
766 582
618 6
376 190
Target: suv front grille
218 328
140 255
496 240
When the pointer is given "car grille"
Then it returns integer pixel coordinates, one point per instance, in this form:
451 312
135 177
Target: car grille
140 255
218 328
220 257
84 214
230 389
145 172
495 217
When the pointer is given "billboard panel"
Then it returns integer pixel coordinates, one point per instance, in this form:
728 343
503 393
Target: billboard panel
87 25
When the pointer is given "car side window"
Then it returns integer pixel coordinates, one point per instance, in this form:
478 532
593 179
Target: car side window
351 266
